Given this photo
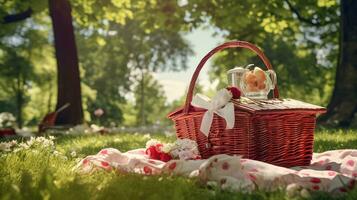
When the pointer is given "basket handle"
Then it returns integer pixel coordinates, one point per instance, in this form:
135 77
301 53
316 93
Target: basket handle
231 44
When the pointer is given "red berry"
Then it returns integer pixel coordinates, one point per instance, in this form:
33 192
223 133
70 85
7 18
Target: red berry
236 93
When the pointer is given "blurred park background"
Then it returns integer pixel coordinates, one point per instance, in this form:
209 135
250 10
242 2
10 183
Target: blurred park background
129 62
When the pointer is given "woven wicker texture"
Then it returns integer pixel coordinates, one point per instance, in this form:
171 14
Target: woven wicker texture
277 131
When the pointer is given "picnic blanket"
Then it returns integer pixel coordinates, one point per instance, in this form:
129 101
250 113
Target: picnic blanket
334 171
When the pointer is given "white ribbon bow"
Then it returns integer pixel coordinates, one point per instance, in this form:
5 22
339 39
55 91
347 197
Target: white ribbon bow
219 104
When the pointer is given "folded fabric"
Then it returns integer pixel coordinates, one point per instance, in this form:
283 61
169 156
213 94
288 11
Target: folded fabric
334 171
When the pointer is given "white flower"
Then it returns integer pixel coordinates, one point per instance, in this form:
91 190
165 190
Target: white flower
152 142
37 142
73 153
147 136
98 112
292 190
56 153
96 128
79 129
185 149
4 146
7 120
305 193
13 143
167 148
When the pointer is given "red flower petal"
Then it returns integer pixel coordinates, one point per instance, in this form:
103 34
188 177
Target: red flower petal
152 153
158 147
85 161
172 166
343 190
236 93
165 157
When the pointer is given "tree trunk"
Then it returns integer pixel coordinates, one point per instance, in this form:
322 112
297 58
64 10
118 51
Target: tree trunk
142 99
342 109
19 98
69 88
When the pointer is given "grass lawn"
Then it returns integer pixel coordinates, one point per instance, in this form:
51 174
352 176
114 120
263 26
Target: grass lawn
39 174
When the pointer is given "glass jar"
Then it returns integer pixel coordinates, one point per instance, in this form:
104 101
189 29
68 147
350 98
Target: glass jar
257 83
235 75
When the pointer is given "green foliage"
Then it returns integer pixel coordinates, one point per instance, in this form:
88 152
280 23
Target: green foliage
293 45
16 73
150 101
33 174
114 38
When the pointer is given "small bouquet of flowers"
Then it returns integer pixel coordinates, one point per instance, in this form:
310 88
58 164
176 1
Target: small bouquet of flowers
184 149
7 124
7 120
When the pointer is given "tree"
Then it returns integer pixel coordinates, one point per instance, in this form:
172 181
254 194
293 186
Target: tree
150 101
342 109
69 87
145 42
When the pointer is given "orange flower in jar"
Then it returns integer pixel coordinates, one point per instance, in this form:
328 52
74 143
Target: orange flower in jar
261 78
255 80
251 82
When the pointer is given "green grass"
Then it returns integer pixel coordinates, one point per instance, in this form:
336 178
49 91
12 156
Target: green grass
41 175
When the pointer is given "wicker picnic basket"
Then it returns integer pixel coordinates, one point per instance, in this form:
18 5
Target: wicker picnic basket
276 131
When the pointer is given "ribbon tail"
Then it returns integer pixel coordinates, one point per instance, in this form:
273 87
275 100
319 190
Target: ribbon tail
206 122
227 112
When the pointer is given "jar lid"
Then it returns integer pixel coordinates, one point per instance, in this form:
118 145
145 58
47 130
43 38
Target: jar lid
236 69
